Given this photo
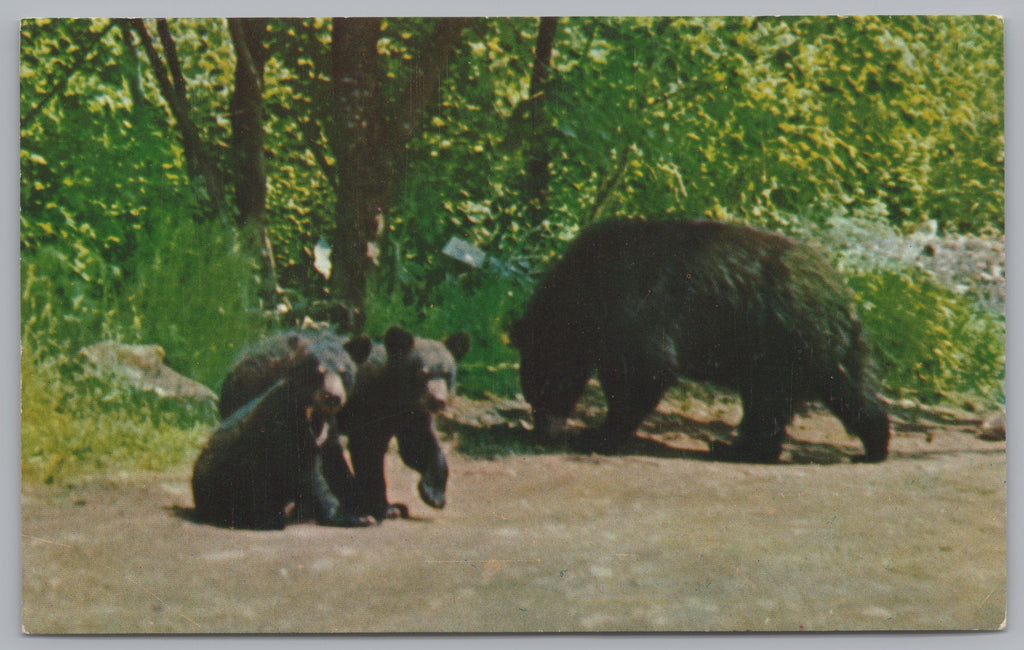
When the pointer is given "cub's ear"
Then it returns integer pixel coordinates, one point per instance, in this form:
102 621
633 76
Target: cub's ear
298 347
398 342
359 348
457 344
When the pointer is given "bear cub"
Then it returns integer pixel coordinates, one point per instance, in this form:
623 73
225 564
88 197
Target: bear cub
279 405
399 388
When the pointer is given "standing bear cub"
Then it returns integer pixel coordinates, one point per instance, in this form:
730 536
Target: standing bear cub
647 302
399 388
278 405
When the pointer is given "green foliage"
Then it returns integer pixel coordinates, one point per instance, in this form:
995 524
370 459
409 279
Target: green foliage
758 115
68 299
931 343
496 441
97 165
193 293
190 291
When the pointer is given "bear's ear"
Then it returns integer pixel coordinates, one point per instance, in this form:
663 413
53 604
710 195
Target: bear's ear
398 342
359 348
294 341
457 344
298 347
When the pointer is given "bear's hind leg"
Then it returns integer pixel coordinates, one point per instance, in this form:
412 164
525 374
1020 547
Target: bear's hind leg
367 449
762 430
863 415
631 395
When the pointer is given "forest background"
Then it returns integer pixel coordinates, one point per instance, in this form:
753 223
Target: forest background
189 182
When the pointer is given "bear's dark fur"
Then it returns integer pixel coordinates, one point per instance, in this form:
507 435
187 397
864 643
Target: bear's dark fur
399 388
255 466
279 404
647 302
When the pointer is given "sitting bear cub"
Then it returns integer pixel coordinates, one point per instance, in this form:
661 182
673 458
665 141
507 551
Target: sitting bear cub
264 459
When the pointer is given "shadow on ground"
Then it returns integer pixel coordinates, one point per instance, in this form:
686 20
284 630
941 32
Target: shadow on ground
685 428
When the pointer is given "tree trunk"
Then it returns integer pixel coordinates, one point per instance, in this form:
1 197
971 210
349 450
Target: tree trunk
367 140
247 119
355 135
538 157
249 165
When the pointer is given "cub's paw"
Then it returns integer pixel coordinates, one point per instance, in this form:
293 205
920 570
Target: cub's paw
351 521
396 511
345 520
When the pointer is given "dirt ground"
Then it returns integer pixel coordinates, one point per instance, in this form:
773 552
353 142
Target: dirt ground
658 538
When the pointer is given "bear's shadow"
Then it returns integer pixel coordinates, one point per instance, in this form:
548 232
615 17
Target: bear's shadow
655 440
188 513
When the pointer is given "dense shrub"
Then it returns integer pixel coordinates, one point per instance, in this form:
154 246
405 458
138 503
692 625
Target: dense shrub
932 344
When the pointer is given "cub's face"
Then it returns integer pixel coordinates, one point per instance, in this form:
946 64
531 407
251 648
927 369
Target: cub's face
424 369
430 371
335 374
331 394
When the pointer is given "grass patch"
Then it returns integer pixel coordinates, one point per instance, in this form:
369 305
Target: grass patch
478 303
73 425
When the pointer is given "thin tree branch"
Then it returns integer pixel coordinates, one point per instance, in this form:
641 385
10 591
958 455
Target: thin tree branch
173 64
610 182
159 69
538 153
200 169
542 56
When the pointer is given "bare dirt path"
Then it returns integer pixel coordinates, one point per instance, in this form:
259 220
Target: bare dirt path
659 538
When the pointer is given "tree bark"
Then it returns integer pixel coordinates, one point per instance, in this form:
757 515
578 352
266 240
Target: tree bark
355 135
247 120
538 157
367 140
249 168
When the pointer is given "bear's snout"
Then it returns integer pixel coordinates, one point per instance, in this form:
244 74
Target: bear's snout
436 398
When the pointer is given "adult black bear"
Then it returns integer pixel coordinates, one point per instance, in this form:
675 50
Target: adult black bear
399 388
646 302
278 403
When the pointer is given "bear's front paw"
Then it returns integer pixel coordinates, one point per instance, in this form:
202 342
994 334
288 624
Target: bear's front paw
431 493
